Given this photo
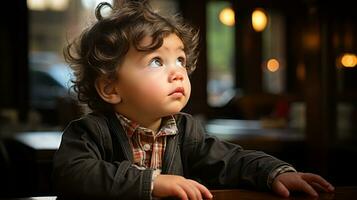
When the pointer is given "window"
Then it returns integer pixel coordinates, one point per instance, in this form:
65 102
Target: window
220 52
52 23
274 61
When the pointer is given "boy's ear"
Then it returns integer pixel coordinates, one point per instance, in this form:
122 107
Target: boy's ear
107 90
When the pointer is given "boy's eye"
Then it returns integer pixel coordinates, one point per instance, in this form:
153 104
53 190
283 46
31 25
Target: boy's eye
156 62
180 62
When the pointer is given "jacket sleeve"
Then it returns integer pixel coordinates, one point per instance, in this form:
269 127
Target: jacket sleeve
220 164
83 168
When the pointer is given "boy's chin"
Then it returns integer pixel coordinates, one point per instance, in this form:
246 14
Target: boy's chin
169 110
173 112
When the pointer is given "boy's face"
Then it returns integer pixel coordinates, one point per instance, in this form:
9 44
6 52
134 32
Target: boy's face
154 84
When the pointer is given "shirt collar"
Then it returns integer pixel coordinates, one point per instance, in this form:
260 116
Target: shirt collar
168 126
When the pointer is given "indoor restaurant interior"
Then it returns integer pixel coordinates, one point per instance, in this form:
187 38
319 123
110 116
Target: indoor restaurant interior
273 75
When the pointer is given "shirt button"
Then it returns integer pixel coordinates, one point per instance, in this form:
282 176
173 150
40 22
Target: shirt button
146 147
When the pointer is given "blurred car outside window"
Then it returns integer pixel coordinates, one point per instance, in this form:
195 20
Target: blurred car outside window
50 81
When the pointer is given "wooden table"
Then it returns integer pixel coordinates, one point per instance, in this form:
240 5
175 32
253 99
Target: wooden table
341 193
43 143
31 155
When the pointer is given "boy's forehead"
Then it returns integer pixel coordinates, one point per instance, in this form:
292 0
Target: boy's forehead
171 43
147 41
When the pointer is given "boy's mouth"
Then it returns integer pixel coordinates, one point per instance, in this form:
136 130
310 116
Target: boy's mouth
178 90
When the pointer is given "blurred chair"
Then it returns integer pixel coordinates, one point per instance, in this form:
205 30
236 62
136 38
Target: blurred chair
257 106
6 178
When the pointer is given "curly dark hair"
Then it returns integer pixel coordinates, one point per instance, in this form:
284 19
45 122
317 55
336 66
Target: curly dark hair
101 48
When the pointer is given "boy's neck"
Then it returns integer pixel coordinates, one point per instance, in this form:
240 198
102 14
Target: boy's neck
152 124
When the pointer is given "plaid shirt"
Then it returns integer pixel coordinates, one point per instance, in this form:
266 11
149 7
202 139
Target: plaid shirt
148 147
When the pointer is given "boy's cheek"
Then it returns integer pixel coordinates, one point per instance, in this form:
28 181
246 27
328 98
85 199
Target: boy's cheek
152 89
188 89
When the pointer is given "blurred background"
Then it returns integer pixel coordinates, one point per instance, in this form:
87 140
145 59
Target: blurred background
273 75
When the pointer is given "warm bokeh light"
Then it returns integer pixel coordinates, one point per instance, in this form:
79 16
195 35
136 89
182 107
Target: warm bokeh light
226 16
273 65
39 5
349 60
36 4
58 5
311 40
259 19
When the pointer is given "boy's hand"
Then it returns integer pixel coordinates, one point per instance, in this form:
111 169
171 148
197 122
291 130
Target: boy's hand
178 186
297 181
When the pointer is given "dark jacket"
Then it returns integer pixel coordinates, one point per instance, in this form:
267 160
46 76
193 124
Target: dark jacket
95 160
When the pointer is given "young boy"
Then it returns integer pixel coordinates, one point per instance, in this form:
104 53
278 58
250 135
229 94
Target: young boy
132 70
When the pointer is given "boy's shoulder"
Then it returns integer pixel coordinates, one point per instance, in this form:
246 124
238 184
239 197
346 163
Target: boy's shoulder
185 120
97 120
182 117
92 117
95 125
93 120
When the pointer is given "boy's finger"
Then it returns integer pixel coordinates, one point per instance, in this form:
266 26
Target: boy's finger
196 189
306 187
204 191
322 188
190 191
280 189
319 187
180 193
313 178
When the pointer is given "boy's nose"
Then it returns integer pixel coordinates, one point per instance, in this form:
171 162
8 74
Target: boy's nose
175 75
